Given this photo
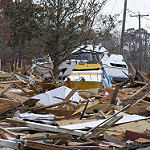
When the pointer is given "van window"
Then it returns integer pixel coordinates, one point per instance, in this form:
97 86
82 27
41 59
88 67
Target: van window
118 65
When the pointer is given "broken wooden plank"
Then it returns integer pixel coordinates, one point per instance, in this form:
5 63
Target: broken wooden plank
50 136
134 70
8 101
48 106
94 103
138 101
8 132
96 132
16 85
123 109
73 91
53 77
30 102
44 146
5 89
3 136
142 76
34 89
113 99
6 75
101 112
84 109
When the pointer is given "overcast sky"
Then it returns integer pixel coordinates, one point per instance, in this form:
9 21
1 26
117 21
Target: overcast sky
141 6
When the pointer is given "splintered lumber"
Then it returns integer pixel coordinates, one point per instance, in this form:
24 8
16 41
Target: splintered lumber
84 110
73 91
104 127
30 102
101 112
94 103
68 82
123 109
8 132
53 77
16 85
41 146
139 92
3 136
142 76
48 106
88 147
83 144
5 89
34 89
8 101
141 99
139 95
49 136
45 127
113 99
12 81
6 75
134 70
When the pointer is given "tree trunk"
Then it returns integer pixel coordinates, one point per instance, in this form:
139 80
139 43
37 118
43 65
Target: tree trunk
56 69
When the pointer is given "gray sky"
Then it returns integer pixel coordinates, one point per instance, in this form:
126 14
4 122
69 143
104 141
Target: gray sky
141 6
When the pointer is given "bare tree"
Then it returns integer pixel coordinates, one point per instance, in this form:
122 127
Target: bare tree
67 25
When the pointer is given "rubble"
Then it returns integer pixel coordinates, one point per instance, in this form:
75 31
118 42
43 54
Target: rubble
37 114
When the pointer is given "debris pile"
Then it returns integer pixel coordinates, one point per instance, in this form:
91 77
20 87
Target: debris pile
37 114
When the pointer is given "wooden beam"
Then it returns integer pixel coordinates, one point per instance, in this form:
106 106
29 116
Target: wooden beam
3 136
53 77
5 89
134 70
102 123
94 103
41 146
16 85
73 91
48 106
104 127
84 109
8 132
34 89
113 99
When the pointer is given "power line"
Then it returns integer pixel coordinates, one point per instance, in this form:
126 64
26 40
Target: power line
113 6
140 39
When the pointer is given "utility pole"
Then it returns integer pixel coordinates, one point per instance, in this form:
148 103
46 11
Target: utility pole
123 27
140 38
